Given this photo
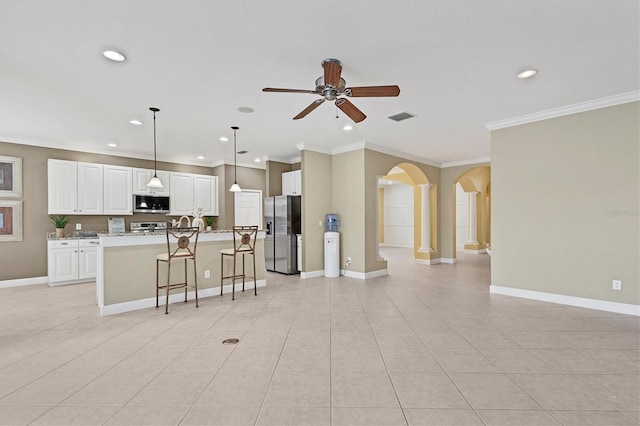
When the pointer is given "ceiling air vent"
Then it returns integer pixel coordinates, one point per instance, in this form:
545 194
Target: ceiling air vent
242 152
401 116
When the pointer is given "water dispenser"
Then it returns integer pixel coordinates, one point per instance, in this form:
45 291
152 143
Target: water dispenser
331 223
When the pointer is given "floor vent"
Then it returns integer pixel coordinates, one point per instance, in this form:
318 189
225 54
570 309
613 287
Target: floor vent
230 341
401 116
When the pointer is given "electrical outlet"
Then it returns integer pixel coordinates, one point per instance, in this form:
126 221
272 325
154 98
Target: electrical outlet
207 273
78 226
616 285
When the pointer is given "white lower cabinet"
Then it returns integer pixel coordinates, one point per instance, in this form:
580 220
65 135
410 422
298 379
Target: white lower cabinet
72 261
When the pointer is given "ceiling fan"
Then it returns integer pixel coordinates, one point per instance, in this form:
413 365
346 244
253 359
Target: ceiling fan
331 86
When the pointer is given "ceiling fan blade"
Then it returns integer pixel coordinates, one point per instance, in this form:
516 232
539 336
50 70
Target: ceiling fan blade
271 89
315 104
350 109
372 91
332 71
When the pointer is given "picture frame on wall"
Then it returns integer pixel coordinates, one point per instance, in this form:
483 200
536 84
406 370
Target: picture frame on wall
10 220
10 177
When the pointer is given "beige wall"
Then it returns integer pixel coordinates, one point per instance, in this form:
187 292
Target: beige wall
348 201
565 205
316 202
274 170
35 218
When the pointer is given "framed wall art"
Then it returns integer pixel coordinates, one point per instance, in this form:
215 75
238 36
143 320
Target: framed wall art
10 220
10 177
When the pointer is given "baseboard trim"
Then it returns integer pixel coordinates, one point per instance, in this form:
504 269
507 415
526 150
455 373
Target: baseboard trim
19 282
119 308
447 260
312 274
366 275
472 251
582 302
427 261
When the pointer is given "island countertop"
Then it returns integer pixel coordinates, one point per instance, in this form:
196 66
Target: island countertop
126 269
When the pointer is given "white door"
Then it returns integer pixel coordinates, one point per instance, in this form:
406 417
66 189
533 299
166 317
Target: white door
248 208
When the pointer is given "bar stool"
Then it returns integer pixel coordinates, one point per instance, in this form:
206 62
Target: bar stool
179 247
244 242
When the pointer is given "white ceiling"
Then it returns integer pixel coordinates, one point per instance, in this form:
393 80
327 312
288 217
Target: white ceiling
199 61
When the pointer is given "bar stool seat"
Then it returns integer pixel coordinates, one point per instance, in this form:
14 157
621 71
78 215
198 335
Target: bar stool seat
244 243
181 245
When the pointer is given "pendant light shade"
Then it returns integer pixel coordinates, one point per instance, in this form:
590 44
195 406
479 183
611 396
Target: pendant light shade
154 183
235 187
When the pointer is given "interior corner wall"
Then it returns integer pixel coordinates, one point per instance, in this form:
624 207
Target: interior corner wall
447 206
348 201
316 202
274 170
566 205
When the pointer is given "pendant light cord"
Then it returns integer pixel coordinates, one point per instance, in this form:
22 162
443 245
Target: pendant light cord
155 160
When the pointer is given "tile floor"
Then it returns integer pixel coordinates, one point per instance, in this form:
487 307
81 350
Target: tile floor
422 346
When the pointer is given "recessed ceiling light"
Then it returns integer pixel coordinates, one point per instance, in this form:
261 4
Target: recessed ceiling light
527 73
114 56
112 145
224 139
347 127
245 109
136 122
257 160
200 157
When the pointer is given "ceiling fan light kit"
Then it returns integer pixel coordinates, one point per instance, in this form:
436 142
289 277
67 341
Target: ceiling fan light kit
331 86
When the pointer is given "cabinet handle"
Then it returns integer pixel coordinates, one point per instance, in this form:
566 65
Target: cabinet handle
64 244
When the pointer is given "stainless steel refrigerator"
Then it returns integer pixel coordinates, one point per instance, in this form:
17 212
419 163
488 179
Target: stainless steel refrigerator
283 222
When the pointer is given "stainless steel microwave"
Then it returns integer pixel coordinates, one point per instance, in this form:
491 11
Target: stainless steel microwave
150 204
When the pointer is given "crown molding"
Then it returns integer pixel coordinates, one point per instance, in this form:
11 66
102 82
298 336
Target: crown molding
307 147
389 151
608 101
466 162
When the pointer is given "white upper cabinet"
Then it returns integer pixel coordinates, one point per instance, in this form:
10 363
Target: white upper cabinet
292 183
189 191
118 195
205 194
142 176
90 188
62 186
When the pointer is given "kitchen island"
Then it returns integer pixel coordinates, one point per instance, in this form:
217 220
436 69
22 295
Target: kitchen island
126 269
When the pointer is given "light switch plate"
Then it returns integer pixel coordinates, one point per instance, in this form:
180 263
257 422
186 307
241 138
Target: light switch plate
616 285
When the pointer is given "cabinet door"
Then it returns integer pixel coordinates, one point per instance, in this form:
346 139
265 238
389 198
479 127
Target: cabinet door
90 188
206 194
118 198
63 264
181 189
88 262
62 183
287 183
142 176
297 182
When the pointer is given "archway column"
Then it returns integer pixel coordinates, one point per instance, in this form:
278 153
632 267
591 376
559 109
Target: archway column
473 217
425 218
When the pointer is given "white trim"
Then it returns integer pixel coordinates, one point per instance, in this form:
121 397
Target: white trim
471 251
312 274
448 260
396 245
466 162
348 148
303 147
427 261
19 282
367 275
601 305
608 101
118 308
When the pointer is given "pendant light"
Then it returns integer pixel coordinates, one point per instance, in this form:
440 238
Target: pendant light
235 187
155 182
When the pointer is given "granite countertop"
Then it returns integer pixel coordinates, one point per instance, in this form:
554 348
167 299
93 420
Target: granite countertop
82 235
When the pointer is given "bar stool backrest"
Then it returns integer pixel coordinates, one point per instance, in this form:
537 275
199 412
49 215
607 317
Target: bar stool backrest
182 242
244 239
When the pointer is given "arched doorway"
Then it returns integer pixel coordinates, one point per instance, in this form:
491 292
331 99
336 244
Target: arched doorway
472 215
415 197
